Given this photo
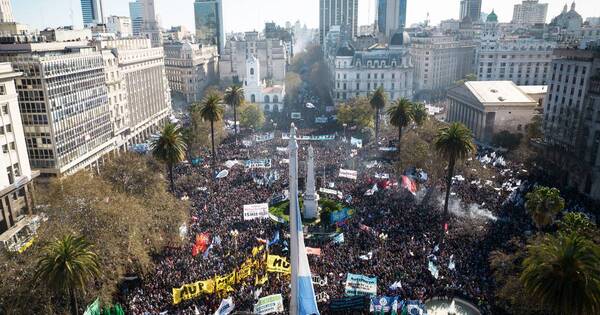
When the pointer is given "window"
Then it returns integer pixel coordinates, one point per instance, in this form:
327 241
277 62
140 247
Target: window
5 148
9 173
251 71
267 99
5 109
8 128
253 98
2 89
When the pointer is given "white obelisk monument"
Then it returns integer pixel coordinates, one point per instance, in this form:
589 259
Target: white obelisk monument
311 206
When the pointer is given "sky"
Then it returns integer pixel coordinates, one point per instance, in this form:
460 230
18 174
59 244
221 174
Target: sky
246 15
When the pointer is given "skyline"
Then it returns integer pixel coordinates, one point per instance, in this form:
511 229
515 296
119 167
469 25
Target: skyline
41 14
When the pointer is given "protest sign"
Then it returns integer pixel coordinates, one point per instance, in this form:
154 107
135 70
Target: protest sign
193 290
256 211
269 304
384 304
348 174
261 163
278 264
360 285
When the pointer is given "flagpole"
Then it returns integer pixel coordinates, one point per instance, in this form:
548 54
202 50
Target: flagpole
293 186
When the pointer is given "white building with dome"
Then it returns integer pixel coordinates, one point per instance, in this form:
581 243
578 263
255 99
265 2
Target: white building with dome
359 73
268 95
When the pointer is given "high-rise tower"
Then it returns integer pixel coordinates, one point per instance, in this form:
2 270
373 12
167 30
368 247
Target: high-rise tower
338 12
208 16
92 12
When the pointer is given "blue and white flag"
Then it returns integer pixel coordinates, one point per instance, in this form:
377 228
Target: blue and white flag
303 299
275 238
226 307
338 239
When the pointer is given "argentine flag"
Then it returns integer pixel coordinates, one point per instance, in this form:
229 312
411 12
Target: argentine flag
303 301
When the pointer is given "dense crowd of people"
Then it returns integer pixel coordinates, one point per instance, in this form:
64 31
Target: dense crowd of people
393 235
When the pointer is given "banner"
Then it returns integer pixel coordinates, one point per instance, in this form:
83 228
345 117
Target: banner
201 244
256 211
341 215
360 285
356 142
348 174
282 149
338 239
357 303
278 264
414 307
266 137
231 163
333 192
269 304
223 174
246 270
388 149
262 163
385 304
225 283
313 251
192 290
276 218
286 136
382 176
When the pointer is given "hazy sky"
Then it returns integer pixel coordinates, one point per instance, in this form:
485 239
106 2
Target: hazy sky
242 15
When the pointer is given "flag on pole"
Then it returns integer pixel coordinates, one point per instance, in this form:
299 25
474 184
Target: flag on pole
303 299
409 184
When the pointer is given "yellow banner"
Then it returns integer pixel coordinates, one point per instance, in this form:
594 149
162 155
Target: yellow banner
278 264
246 270
192 290
260 280
258 249
226 282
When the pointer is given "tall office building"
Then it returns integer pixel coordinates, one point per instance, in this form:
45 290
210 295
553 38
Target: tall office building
144 21
338 12
16 175
137 17
530 12
209 22
63 98
572 117
470 9
92 12
6 15
120 25
391 16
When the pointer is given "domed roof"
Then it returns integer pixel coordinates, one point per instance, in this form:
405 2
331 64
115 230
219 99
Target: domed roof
492 17
399 39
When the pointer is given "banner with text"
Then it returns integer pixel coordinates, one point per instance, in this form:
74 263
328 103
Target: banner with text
360 285
278 264
348 174
256 211
269 304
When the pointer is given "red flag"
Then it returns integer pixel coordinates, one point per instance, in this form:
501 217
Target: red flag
446 227
409 184
202 241
194 250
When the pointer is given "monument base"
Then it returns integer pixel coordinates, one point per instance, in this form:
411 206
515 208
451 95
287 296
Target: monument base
311 206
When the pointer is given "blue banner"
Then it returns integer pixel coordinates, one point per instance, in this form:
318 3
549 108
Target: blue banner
339 216
385 304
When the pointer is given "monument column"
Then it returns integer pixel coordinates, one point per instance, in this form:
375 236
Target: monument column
311 207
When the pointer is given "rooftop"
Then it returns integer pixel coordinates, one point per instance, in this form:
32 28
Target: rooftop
534 89
497 92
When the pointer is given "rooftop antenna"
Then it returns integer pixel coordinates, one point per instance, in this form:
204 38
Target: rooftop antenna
427 20
71 13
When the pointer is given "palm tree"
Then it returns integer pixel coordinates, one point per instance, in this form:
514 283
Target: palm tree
563 273
401 115
419 113
454 142
170 148
66 266
212 110
377 101
543 203
234 97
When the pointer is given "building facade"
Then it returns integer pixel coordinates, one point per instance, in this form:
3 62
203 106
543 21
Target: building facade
190 68
63 98
338 12
137 17
92 12
530 12
269 97
271 53
440 61
359 73
208 15
490 107
6 15
144 75
391 16
572 117
144 21
119 25
470 9
16 176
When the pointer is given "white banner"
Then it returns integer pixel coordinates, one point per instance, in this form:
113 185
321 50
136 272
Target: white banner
265 137
264 163
356 142
388 149
256 211
331 192
348 174
269 304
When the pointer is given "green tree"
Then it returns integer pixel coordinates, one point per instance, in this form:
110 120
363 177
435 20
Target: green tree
419 113
170 149
252 117
234 97
400 114
563 273
66 267
543 203
378 102
355 112
212 110
453 143
577 222
534 129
